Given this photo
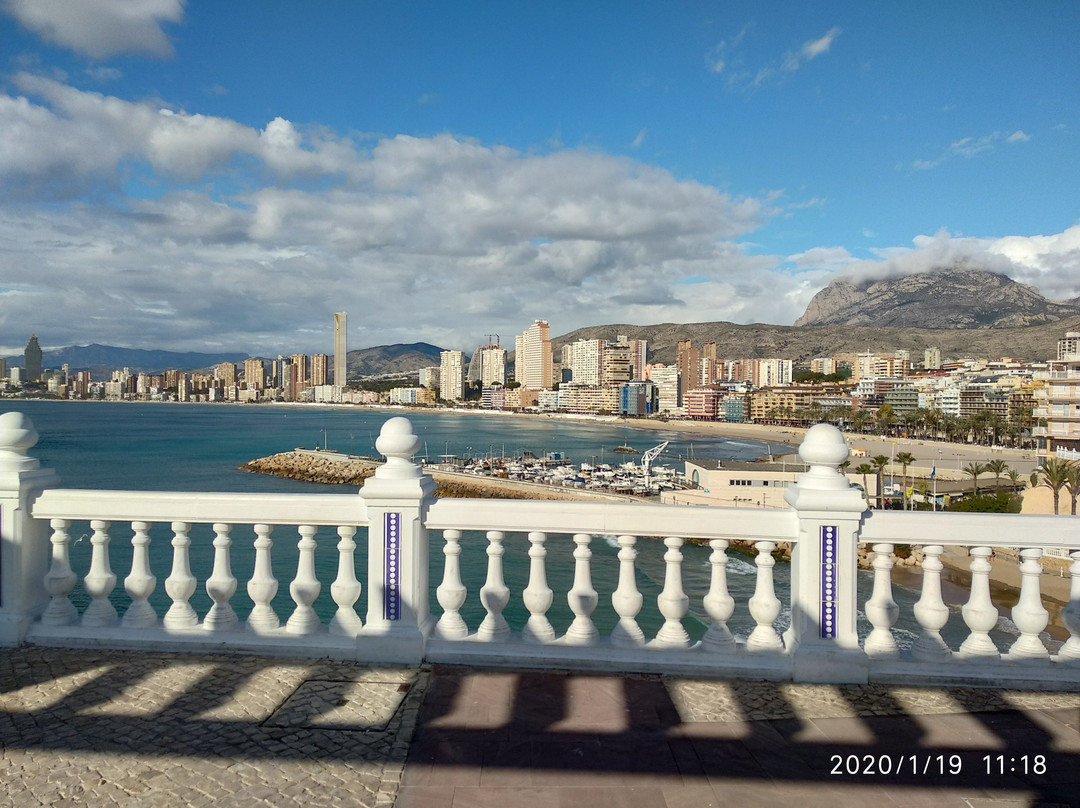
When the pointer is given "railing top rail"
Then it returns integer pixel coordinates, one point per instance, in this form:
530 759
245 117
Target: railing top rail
201 507
971 529
640 519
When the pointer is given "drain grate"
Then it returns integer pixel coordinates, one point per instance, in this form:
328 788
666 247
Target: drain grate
340 705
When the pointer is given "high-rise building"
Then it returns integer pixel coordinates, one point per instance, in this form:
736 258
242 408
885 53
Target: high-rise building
582 359
688 361
533 359
320 369
932 357
452 375
638 348
492 366
340 349
254 374
32 360
225 373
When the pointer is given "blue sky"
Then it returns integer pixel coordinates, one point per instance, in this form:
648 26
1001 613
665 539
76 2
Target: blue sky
227 175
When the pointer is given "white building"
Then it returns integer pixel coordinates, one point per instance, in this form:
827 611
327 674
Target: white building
533 365
452 375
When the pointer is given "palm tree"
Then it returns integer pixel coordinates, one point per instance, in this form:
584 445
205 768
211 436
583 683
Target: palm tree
997 467
864 469
879 462
1014 477
1072 485
1053 474
973 470
905 459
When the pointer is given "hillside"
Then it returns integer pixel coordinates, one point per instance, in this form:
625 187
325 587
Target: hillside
802 343
101 360
383 360
948 297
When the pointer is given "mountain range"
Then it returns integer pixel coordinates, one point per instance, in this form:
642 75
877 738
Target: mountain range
963 311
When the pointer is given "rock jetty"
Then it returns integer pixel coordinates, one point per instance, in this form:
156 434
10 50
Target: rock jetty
329 468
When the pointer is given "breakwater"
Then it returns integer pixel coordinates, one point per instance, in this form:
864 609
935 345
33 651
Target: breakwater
332 468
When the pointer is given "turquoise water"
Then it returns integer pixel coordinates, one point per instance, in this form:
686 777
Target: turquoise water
191 447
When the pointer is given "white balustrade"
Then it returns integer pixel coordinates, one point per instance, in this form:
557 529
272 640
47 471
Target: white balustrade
672 601
305 588
346 589
582 598
1029 615
764 605
626 599
931 611
1070 615
403 501
979 612
221 585
181 584
538 596
100 580
263 586
140 583
451 593
60 579
881 610
494 595
719 604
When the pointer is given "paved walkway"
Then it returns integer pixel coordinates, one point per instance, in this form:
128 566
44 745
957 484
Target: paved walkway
103 728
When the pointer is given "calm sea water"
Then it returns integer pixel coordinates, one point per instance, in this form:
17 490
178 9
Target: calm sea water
192 447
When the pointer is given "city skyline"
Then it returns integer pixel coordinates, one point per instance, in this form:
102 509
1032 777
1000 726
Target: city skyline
442 173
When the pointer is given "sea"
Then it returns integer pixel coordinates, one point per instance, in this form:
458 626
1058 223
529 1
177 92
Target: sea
147 446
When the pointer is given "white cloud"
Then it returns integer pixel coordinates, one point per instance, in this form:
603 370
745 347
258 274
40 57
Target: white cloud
971 146
816 47
439 238
1049 263
100 28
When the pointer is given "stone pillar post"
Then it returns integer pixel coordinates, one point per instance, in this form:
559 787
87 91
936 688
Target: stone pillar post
24 541
397 497
822 637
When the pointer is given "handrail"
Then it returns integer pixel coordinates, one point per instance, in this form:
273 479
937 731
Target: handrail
968 529
644 519
200 507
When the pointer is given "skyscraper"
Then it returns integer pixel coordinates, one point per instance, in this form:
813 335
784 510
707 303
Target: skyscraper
32 360
452 376
340 349
532 361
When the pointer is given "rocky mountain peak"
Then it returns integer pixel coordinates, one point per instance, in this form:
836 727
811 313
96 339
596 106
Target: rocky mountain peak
944 298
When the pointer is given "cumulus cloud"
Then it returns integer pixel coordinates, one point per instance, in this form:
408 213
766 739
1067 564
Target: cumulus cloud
1051 263
100 28
250 237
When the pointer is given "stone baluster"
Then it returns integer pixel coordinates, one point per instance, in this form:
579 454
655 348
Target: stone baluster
140 583
881 609
305 587
345 589
181 584
627 599
494 594
263 586
930 611
100 580
1029 614
672 601
582 598
451 592
221 585
719 604
764 605
24 540
537 596
979 612
1070 615
60 579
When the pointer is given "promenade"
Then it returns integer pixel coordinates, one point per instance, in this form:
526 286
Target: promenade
106 728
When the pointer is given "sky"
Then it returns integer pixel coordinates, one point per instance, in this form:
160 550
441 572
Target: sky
208 176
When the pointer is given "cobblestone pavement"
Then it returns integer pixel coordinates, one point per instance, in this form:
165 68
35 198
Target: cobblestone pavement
110 728
102 728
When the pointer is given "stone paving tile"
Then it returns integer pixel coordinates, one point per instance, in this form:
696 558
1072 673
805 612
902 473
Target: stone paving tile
96 728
